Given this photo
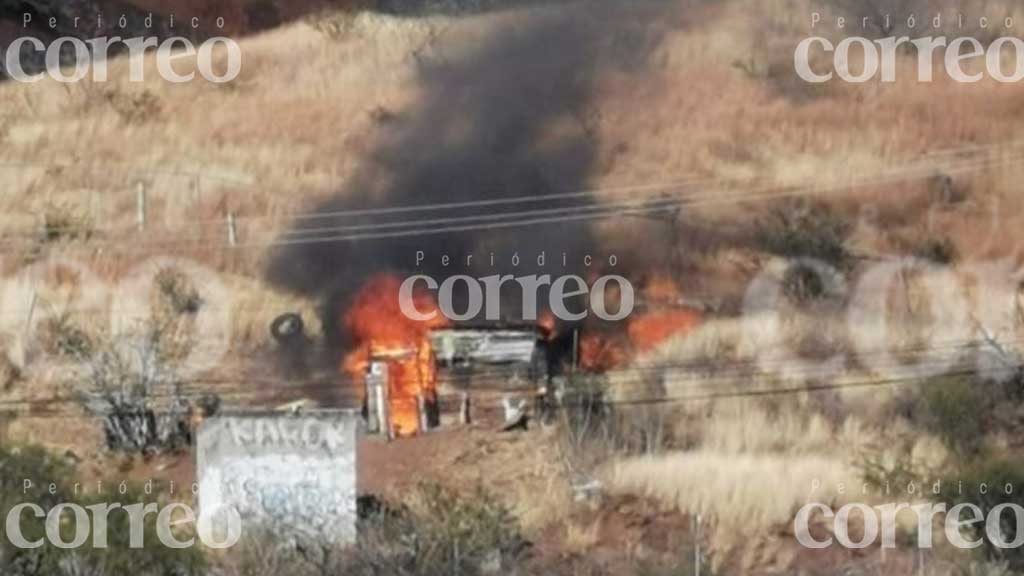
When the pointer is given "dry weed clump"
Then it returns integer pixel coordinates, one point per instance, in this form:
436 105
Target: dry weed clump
10 373
63 223
63 337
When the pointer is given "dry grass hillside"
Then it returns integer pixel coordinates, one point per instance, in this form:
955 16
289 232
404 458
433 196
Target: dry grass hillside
716 114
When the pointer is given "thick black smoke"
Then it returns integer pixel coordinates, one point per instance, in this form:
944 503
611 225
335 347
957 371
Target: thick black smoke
509 119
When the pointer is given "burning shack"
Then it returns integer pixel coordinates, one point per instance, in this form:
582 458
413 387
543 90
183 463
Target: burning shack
410 371
407 390
506 356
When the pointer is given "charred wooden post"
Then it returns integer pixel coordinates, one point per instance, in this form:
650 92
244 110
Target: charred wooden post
464 416
575 349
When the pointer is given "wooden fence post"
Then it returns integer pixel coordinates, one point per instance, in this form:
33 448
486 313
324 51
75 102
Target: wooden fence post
140 206
464 415
232 230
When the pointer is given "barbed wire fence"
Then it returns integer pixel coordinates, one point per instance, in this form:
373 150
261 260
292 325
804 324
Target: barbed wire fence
182 196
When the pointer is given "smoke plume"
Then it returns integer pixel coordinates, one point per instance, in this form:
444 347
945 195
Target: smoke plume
509 119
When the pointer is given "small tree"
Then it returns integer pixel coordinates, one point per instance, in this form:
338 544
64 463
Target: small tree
133 386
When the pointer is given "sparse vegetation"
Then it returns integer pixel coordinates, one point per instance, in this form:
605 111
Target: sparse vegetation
717 485
813 237
940 250
883 468
337 24
62 336
435 530
441 531
309 121
153 559
134 107
991 472
178 293
955 409
963 410
806 230
62 223
133 386
10 373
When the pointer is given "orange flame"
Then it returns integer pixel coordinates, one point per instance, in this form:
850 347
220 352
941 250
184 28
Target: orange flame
646 332
381 332
600 352
547 325
662 289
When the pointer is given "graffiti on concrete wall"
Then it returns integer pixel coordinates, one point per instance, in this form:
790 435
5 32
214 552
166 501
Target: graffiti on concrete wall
290 474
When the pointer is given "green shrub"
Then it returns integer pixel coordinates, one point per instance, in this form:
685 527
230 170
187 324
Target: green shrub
42 468
995 473
955 409
805 230
438 531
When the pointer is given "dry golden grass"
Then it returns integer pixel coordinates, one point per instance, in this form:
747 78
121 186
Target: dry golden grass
299 120
718 103
579 538
752 461
741 496
714 104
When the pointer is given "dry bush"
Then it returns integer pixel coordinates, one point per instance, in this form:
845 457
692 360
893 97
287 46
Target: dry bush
806 230
335 25
10 373
64 223
178 293
937 249
593 431
435 530
63 337
134 108
132 384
